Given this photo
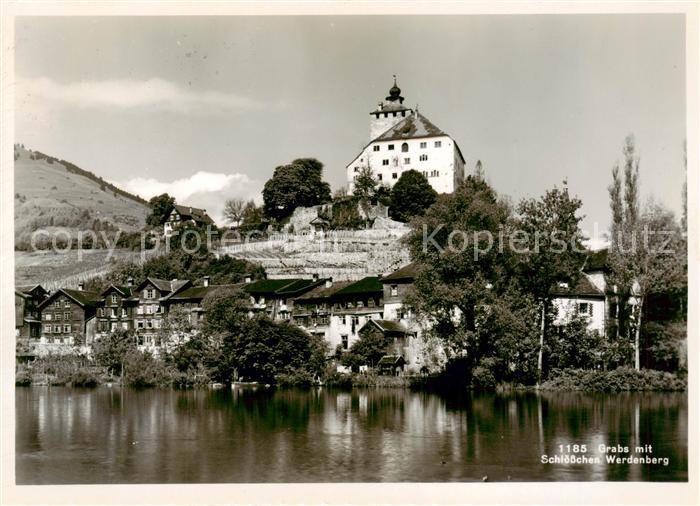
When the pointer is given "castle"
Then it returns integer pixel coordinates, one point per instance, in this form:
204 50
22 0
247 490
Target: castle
403 139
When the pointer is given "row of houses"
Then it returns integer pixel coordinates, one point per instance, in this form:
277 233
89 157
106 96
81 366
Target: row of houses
339 312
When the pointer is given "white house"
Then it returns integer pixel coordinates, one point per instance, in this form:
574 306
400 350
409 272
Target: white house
403 139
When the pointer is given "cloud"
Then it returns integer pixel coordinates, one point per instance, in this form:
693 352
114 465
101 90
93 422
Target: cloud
208 190
128 94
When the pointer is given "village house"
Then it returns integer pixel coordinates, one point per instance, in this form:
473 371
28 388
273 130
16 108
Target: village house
181 215
275 297
27 320
68 320
149 300
312 311
190 299
402 139
116 309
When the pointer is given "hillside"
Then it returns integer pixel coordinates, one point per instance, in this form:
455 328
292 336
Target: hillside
55 195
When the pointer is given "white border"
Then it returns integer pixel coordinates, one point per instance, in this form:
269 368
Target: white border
414 493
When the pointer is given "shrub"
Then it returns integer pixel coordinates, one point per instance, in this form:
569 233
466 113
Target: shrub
83 378
618 380
337 380
483 378
298 378
23 378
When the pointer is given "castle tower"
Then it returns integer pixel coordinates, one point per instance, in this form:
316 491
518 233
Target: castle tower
388 112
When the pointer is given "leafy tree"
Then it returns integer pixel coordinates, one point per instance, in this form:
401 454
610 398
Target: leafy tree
550 249
574 346
367 350
298 184
111 351
365 184
411 196
460 266
176 328
161 206
234 210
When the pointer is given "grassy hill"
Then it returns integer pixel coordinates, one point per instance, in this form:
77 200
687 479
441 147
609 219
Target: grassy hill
55 195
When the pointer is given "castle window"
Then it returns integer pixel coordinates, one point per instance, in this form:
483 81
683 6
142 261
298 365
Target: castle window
379 177
423 145
423 158
377 115
385 162
438 144
386 114
394 176
390 147
357 169
394 114
404 147
406 160
375 148
434 173
403 114
344 339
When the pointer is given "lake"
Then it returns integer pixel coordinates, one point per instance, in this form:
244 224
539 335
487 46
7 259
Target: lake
118 435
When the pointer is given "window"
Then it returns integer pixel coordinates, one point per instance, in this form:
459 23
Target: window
66 304
423 145
150 293
425 173
113 313
438 144
360 303
423 158
585 308
139 310
47 316
355 320
149 309
434 173
56 329
344 339
394 175
385 162
57 316
123 311
139 324
100 311
404 147
66 328
67 315
394 290
47 329
357 169
57 303
406 160
390 147
125 325
149 324
375 148
379 177
403 114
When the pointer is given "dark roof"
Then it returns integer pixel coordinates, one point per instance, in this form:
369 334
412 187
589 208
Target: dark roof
198 292
83 298
583 287
163 284
389 327
194 213
412 127
597 261
28 288
300 286
405 273
391 360
124 290
368 285
322 292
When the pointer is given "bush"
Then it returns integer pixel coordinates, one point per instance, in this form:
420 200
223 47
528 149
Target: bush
23 378
83 378
298 378
142 370
483 378
618 380
338 380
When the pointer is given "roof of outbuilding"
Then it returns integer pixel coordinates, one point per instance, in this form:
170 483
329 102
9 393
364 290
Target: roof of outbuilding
583 287
389 326
194 213
405 273
391 360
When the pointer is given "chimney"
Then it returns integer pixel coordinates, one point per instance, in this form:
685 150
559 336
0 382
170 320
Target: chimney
81 286
206 280
130 281
329 282
248 278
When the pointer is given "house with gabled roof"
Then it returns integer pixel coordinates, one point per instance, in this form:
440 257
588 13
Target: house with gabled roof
275 297
116 309
68 320
190 299
185 214
403 139
27 319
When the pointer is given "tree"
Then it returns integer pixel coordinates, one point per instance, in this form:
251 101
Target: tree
460 266
297 184
176 328
234 211
411 196
550 251
365 184
367 350
112 350
161 206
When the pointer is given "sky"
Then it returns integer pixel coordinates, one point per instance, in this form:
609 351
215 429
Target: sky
206 107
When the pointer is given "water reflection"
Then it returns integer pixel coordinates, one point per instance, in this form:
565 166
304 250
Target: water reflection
111 435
